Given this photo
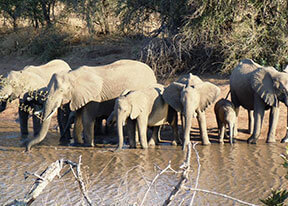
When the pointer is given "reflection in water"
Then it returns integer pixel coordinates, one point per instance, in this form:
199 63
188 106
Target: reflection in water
246 172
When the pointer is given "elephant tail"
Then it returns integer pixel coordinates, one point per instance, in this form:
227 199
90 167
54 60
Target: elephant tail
228 94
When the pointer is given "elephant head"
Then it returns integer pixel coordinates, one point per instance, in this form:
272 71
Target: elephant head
76 89
191 100
271 85
8 89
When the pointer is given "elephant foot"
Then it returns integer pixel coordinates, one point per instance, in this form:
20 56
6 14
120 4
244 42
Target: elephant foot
152 142
174 143
221 141
76 144
252 140
206 143
24 136
87 145
284 140
271 140
64 143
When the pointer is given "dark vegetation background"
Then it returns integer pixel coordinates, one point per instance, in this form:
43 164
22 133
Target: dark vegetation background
173 37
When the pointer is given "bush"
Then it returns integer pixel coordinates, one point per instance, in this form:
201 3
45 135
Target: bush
50 43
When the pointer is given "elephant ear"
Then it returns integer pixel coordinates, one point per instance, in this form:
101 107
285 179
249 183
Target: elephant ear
262 84
85 88
138 103
208 94
172 95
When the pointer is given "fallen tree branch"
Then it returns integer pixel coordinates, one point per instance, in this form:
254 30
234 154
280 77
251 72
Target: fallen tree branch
198 173
46 177
184 177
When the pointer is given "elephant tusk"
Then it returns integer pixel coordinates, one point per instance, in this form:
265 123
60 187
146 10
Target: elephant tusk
38 112
50 115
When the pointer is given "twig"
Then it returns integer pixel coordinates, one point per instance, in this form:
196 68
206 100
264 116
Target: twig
79 178
155 178
184 178
220 194
198 173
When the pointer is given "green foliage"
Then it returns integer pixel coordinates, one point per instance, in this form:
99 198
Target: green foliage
276 198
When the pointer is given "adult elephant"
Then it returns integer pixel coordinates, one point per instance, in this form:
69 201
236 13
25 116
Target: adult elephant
259 88
191 96
18 83
86 87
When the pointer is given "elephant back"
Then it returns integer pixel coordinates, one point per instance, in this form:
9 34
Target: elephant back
102 83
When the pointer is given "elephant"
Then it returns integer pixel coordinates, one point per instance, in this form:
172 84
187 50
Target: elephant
35 100
86 87
285 139
17 83
144 108
258 88
190 96
225 115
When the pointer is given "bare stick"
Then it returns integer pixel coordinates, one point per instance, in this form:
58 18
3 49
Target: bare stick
184 178
46 177
155 178
198 173
78 176
220 194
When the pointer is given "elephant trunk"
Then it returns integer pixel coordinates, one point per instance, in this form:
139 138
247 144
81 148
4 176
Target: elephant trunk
187 127
120 132
40 137
231 131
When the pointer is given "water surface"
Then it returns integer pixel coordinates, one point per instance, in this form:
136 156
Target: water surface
246 172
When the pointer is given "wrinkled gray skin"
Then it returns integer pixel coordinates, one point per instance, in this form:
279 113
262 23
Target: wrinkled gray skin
18 83
86 87
226 116
142 109
258 88
36 99
191 96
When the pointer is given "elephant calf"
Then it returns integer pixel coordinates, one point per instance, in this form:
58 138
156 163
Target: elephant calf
225 115
143 108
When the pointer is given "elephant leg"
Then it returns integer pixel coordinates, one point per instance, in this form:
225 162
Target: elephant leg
236 121
174 125
142 128
203 128
259 109
88 126
155 136
221 133
63 121
285 139
137 141
23 118
131 132
273 121
36 125
78 128
250 121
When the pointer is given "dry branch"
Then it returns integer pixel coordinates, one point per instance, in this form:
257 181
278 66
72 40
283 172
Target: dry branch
47 176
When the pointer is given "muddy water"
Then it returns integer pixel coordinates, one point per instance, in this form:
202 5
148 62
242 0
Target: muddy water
246 172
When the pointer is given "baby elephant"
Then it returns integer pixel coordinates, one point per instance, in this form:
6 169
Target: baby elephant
143 108
225 115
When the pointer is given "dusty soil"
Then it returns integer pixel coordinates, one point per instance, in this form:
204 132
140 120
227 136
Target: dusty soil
101 54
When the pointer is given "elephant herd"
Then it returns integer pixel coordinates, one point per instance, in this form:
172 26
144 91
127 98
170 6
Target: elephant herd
126 92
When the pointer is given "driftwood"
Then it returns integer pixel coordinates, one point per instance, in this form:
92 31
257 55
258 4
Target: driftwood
47 176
